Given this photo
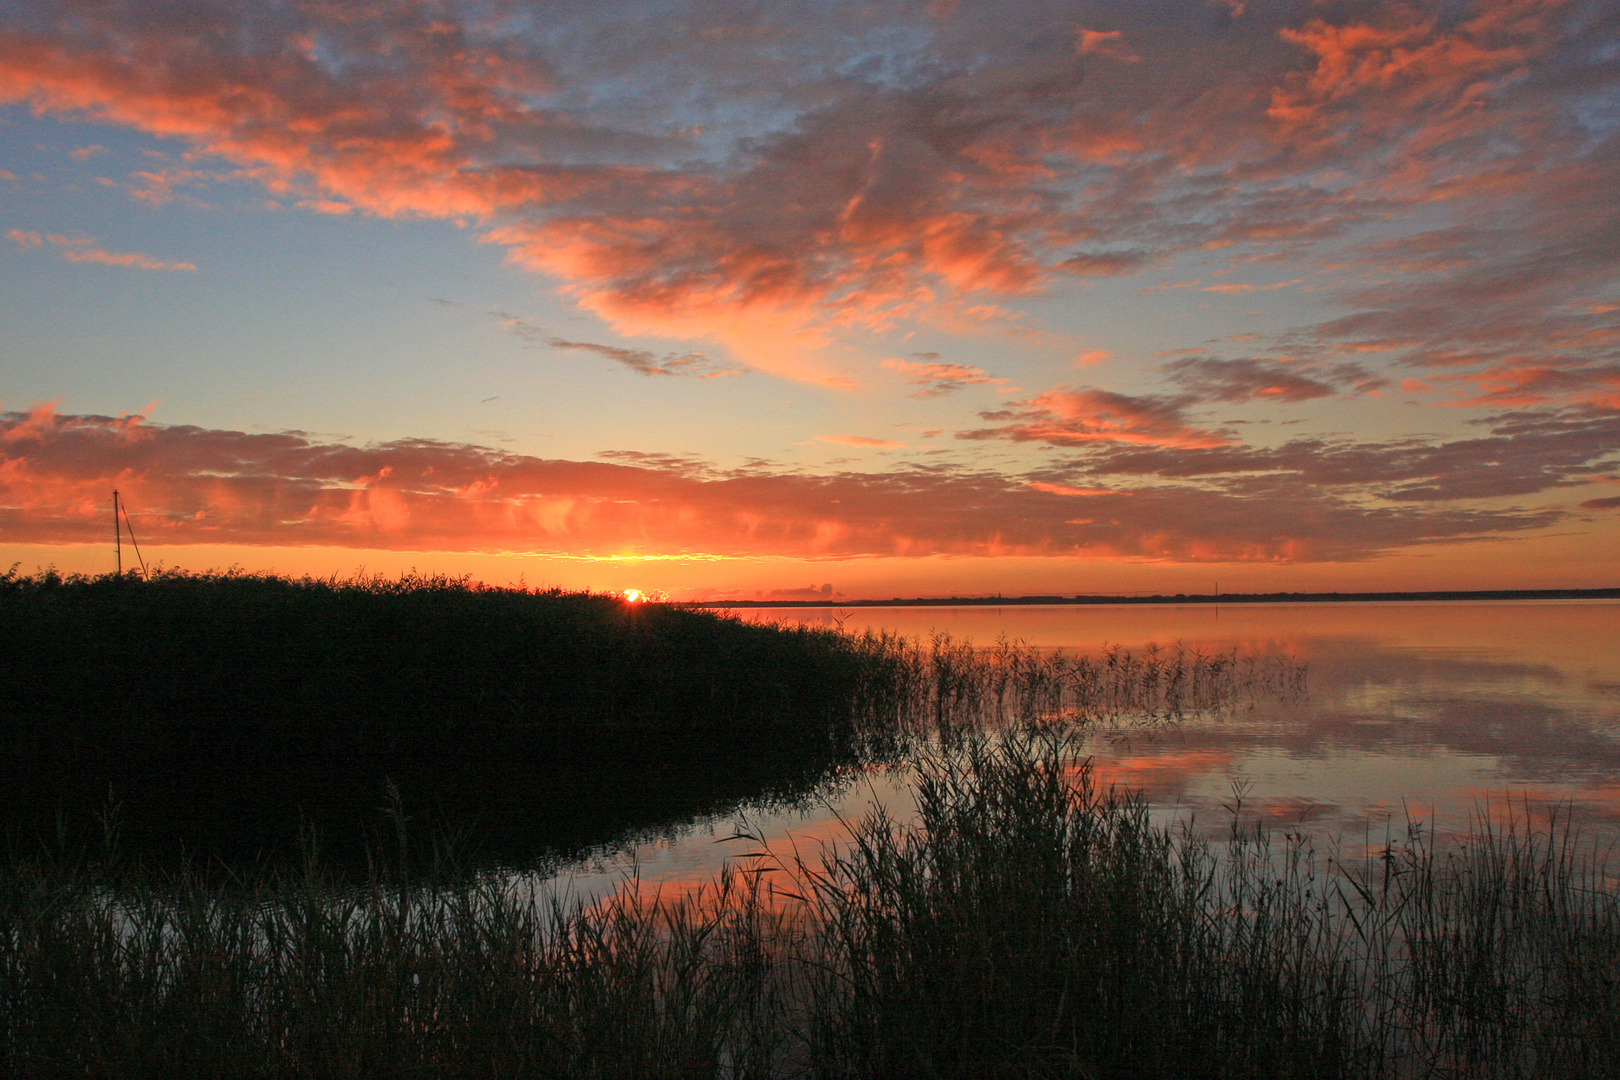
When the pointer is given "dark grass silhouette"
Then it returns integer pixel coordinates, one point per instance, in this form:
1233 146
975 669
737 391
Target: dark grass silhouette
1026 924
251 665
224 714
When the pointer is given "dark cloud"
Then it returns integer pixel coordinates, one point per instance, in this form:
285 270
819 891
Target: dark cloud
1102 263
643 362
1523 453
1212 379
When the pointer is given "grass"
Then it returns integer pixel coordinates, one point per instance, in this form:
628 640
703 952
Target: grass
1026 924
253 666
226 713
257 666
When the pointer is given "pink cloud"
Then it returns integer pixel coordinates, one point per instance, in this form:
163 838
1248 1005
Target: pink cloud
122 258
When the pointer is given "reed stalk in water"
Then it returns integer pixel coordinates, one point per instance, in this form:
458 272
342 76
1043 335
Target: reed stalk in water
1027 923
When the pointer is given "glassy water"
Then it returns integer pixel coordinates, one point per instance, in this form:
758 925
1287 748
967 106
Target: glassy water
1430 713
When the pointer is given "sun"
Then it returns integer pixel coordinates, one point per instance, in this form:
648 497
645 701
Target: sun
633 596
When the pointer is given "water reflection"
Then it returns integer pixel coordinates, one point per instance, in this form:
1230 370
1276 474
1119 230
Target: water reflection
1425 711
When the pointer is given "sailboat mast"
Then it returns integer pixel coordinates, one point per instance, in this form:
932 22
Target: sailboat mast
118 539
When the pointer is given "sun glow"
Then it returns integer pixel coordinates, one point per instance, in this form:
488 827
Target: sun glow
643 596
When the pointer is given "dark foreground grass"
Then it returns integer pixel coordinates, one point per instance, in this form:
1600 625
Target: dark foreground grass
1027 924
250 665
223 714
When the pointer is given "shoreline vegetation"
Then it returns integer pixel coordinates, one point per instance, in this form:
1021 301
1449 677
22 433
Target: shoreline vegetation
223 715
1083 599
1027 924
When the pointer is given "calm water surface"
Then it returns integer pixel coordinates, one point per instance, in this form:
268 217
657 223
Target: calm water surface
1424 711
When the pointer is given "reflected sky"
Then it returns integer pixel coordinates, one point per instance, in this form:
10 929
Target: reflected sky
1433 712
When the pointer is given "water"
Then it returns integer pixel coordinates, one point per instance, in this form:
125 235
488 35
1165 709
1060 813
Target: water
1427 713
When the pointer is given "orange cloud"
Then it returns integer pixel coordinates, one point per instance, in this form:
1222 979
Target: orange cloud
1402 62
188 485
747 195
1519 385
938 377
1083 417
1066 489
861 441
1104 42
1235 287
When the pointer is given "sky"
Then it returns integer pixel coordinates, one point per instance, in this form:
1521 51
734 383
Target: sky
817 300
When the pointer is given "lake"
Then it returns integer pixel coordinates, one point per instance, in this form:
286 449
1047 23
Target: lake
1430 712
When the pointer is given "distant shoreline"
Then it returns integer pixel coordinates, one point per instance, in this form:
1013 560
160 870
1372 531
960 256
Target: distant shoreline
1181 598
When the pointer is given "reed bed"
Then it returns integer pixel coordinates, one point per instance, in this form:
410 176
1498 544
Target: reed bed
226 710
1026 924
947 684
254 666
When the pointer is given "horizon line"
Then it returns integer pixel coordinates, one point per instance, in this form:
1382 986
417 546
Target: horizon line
1181 598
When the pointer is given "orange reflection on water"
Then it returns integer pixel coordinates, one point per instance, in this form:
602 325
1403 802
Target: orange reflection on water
1417 715
1573 635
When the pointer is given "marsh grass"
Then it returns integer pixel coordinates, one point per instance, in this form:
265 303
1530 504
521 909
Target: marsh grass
1027 923
256 667
948 684
253 666
227 711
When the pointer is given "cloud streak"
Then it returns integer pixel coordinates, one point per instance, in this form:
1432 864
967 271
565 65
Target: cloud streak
938 377
1091 417
190 485
83 249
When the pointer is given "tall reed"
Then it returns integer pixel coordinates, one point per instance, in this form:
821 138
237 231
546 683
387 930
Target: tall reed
946 683
1027 923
